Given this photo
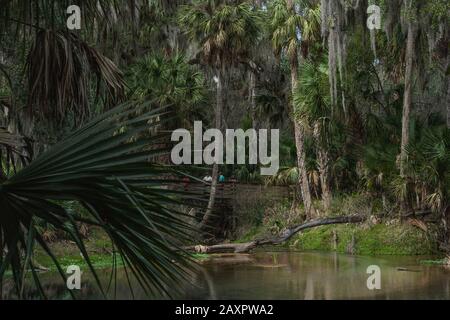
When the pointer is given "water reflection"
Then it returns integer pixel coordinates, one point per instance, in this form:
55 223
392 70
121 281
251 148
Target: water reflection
287 275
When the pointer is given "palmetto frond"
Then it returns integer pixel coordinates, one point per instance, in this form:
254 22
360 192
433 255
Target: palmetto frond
428 166
285 176
107 169
311 99
169 80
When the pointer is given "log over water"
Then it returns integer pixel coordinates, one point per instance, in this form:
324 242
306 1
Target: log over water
284 236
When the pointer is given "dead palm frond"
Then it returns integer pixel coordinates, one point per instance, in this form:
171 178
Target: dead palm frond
58 68
13 149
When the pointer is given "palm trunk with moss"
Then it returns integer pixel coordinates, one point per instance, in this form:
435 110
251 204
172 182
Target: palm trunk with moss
407 101
407 96
323 161
448 95
300 145
215 170
299 133
252 98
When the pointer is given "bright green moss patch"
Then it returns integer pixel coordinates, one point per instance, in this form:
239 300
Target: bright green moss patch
99 261
200 256
438 262
381 239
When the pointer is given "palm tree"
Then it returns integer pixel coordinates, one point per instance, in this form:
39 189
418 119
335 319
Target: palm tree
312 108
225 31
290 30
107 169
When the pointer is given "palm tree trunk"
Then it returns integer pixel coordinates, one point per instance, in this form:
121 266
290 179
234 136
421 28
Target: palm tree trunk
215 170
252 99
301 156
324 169
303 176
407 96
407 100
448 102
448 94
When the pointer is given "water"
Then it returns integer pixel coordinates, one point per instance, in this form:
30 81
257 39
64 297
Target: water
292 275
295 275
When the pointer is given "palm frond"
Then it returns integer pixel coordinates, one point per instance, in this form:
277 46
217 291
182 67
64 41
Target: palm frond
58 76
107 169
13 149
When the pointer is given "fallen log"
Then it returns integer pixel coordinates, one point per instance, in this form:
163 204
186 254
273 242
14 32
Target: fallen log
284 236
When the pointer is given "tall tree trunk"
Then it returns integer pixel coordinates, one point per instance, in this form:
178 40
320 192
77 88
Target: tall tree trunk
134 10
448 102
324 169
252 98
299 133
448 94
299 143
215 170
407 101
407 96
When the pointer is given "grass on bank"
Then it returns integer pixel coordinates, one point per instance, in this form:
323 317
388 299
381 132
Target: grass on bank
387 236
97 245
380 239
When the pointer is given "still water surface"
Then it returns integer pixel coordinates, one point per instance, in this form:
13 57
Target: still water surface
292 275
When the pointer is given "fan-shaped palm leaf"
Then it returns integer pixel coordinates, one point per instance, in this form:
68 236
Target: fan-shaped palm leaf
108 171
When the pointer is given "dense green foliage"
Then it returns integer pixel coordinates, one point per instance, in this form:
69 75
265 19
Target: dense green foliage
360 111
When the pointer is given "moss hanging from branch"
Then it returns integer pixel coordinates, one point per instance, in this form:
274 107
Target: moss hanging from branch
334 22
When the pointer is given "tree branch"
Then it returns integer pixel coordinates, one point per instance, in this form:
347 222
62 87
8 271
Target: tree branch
286 235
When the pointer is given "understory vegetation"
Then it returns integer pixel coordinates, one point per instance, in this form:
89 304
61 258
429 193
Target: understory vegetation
381 234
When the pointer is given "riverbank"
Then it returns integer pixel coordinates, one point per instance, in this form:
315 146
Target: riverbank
98 246
382 233
380 239
364 240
